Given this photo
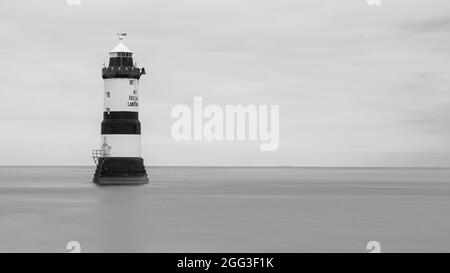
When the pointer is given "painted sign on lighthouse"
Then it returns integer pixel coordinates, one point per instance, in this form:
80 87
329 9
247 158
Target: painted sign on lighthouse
119 161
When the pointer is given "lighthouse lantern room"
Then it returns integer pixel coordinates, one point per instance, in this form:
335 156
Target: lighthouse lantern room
119 161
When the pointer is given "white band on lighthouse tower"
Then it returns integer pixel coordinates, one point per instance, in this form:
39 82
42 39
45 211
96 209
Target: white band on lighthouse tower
122 145
121 95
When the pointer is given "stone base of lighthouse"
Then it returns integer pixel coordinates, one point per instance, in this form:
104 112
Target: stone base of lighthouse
120 171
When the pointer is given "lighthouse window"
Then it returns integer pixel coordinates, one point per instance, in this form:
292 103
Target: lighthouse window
108 94
131 82
127 61
117 61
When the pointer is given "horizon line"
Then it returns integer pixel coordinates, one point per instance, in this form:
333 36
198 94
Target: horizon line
256 166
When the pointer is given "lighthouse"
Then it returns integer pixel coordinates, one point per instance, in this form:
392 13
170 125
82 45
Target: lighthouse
119 160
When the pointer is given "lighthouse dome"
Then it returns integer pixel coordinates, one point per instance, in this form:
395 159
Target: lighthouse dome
120 48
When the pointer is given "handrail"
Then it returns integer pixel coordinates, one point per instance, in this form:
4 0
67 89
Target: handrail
96 154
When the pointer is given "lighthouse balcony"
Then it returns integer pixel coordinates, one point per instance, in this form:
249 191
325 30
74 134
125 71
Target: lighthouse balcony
100 153
96 154
122 72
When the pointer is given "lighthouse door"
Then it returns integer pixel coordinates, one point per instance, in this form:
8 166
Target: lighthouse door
106 149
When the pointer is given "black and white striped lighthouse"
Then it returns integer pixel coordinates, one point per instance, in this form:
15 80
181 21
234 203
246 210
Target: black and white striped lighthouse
119 161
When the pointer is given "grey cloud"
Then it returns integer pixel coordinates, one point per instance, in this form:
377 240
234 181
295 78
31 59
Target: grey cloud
441 24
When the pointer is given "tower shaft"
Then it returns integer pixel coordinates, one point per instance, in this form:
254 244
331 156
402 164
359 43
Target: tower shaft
119 160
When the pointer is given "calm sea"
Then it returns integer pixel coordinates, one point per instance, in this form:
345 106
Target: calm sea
203 209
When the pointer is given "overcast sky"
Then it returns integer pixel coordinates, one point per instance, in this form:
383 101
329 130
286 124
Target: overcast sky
357 85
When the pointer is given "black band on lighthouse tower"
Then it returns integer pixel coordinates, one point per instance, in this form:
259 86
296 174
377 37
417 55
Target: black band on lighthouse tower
121 126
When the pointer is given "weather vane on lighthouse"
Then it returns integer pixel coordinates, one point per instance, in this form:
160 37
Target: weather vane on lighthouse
121 36
119 161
